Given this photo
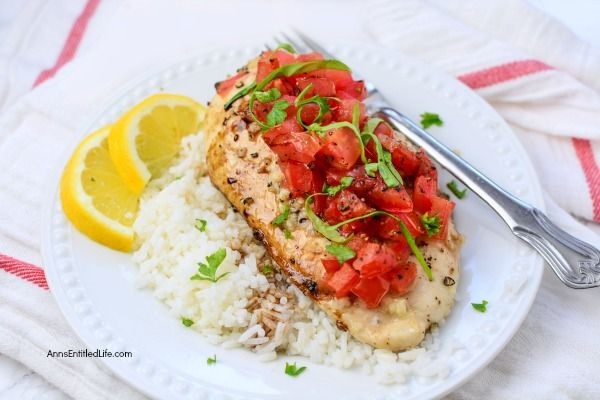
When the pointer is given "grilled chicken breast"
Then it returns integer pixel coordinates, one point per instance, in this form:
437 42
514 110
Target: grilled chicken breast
243 167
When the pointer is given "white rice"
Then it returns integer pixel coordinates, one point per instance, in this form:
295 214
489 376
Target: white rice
267 315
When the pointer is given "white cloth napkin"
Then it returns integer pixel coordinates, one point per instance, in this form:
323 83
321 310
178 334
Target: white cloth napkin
552 356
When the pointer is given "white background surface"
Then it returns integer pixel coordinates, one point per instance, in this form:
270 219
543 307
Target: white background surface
21 61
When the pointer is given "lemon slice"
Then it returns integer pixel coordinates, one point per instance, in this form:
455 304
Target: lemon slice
144 141
94 196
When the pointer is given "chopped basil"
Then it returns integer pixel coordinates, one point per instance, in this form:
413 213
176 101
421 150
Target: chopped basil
239 95
386 168
345 182
281 218
341 252
211 360
356 115
208 271
429 119
268 96
200 224
481 307
187 322
415 250
452 185
293 370
277 114
287 47
431 223
371 168
329 231
287 234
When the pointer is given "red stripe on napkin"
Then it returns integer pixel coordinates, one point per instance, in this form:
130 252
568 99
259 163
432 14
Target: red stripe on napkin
72 43
18 268
583 147
24 270
585 154
502 73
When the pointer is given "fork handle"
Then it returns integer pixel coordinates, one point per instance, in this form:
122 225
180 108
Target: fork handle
576 263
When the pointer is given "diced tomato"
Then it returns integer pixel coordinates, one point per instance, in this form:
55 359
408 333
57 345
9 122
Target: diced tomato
341 148
320 86
374 259
283 86
383 129
343 280
343 206
395 200
225 86
355 89
400 247
344 109
357 242
425 190
341 79
298 177
283 57
309 57
426 167
261 110
371 291
265 66
388 227
412 223
405 160
402 278
331 265
443 209
296 146
289 125
311 111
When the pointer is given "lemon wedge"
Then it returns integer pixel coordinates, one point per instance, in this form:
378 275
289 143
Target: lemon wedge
94 196
145 140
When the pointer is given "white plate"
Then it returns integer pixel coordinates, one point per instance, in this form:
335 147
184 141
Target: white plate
94 285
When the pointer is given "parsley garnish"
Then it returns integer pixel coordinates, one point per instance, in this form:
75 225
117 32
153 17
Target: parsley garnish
287 47
431 223
429 119
267 269
481 307
345 182
268 96
200 224
281 218
187 322
287 234
341 252
208 271
277 114
292 370
386 168
211 360
454 189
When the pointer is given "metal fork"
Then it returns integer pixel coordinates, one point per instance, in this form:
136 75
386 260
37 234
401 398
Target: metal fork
575 262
